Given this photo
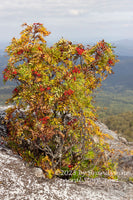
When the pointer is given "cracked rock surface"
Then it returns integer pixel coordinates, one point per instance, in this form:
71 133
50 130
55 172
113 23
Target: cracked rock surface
19 182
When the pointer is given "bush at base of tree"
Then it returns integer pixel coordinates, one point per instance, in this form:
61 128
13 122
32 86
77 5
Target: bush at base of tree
52 123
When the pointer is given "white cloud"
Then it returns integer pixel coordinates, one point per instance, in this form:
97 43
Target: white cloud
71 17
48 7
76 12
58 8
111 17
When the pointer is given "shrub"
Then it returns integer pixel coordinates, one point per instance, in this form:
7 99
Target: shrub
52 122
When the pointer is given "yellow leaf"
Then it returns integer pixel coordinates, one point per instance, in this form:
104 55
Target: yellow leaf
38 80
50 173
58 171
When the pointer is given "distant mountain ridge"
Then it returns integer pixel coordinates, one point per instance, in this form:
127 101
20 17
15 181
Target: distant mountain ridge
123 73
123 47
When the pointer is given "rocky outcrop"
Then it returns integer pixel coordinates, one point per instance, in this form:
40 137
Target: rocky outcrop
3 129
123 152
20 181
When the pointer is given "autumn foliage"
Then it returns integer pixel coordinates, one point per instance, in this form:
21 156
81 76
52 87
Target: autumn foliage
52 122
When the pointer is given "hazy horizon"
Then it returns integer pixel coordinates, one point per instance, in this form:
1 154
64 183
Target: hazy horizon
77 20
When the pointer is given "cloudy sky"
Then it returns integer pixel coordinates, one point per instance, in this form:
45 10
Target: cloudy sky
75 20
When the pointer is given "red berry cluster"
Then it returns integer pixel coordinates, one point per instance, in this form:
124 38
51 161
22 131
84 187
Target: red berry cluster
44 119
110 61
43 89
8 72
35 73
68 92
48 88
15 90
4 76
80 50
102 45
20 52
14 72
70 166
38 24
72 121
39 48
76 70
